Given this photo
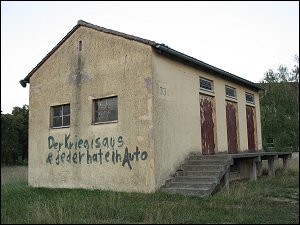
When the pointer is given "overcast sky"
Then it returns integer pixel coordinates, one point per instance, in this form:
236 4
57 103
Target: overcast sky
243 38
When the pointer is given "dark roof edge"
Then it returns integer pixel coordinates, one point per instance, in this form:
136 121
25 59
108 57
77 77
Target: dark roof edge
92 26
109 31
26 79
162 47
207 66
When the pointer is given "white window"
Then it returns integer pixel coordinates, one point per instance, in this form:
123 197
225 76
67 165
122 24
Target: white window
249 98
206 84
60 116
105 110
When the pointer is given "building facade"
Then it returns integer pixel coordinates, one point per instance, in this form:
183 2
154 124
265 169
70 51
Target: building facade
117 112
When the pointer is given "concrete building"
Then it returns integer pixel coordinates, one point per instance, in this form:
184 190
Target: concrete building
108 110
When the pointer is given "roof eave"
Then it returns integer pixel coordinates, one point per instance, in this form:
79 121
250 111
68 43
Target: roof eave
198 63
89 25
160 47
27 78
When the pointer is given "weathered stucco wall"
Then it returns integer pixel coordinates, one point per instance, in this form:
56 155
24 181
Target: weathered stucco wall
177 114
220 98
158 115
107 65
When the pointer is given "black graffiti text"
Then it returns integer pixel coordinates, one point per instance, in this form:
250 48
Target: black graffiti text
97 157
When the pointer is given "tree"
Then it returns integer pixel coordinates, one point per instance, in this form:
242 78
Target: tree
280 108
14 135
21 117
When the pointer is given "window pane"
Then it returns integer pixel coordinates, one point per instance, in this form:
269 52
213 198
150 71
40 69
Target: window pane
100 105
249 97
60 115
66 109
66 121
230 92
206 84
113 115
57 121
57 111
101 116
112 103
106 109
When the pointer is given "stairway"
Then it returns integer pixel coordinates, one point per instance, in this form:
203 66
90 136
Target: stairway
199 175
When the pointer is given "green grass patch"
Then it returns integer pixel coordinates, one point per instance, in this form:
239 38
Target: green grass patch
270 200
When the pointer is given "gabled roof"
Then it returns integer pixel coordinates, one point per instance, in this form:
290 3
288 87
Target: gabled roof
160 48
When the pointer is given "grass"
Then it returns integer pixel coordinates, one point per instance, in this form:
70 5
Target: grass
273 200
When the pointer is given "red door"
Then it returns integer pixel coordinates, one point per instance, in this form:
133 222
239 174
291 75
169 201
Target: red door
207 125
250 128
231 120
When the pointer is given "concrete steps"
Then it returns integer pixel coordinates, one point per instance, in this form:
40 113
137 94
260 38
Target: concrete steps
199 175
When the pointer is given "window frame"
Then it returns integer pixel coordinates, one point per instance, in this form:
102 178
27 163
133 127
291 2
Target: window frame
52 117
250 94
107 109
234 90
205 89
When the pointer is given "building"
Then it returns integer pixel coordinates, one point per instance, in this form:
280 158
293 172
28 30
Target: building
108 110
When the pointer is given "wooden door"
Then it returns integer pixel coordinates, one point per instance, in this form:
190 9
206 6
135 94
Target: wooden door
207 124
232 128
250 113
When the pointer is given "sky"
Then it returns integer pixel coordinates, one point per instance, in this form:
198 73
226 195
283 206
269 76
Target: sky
243 38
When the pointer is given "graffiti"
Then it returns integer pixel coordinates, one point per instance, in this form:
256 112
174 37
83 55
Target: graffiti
81 143
93 151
